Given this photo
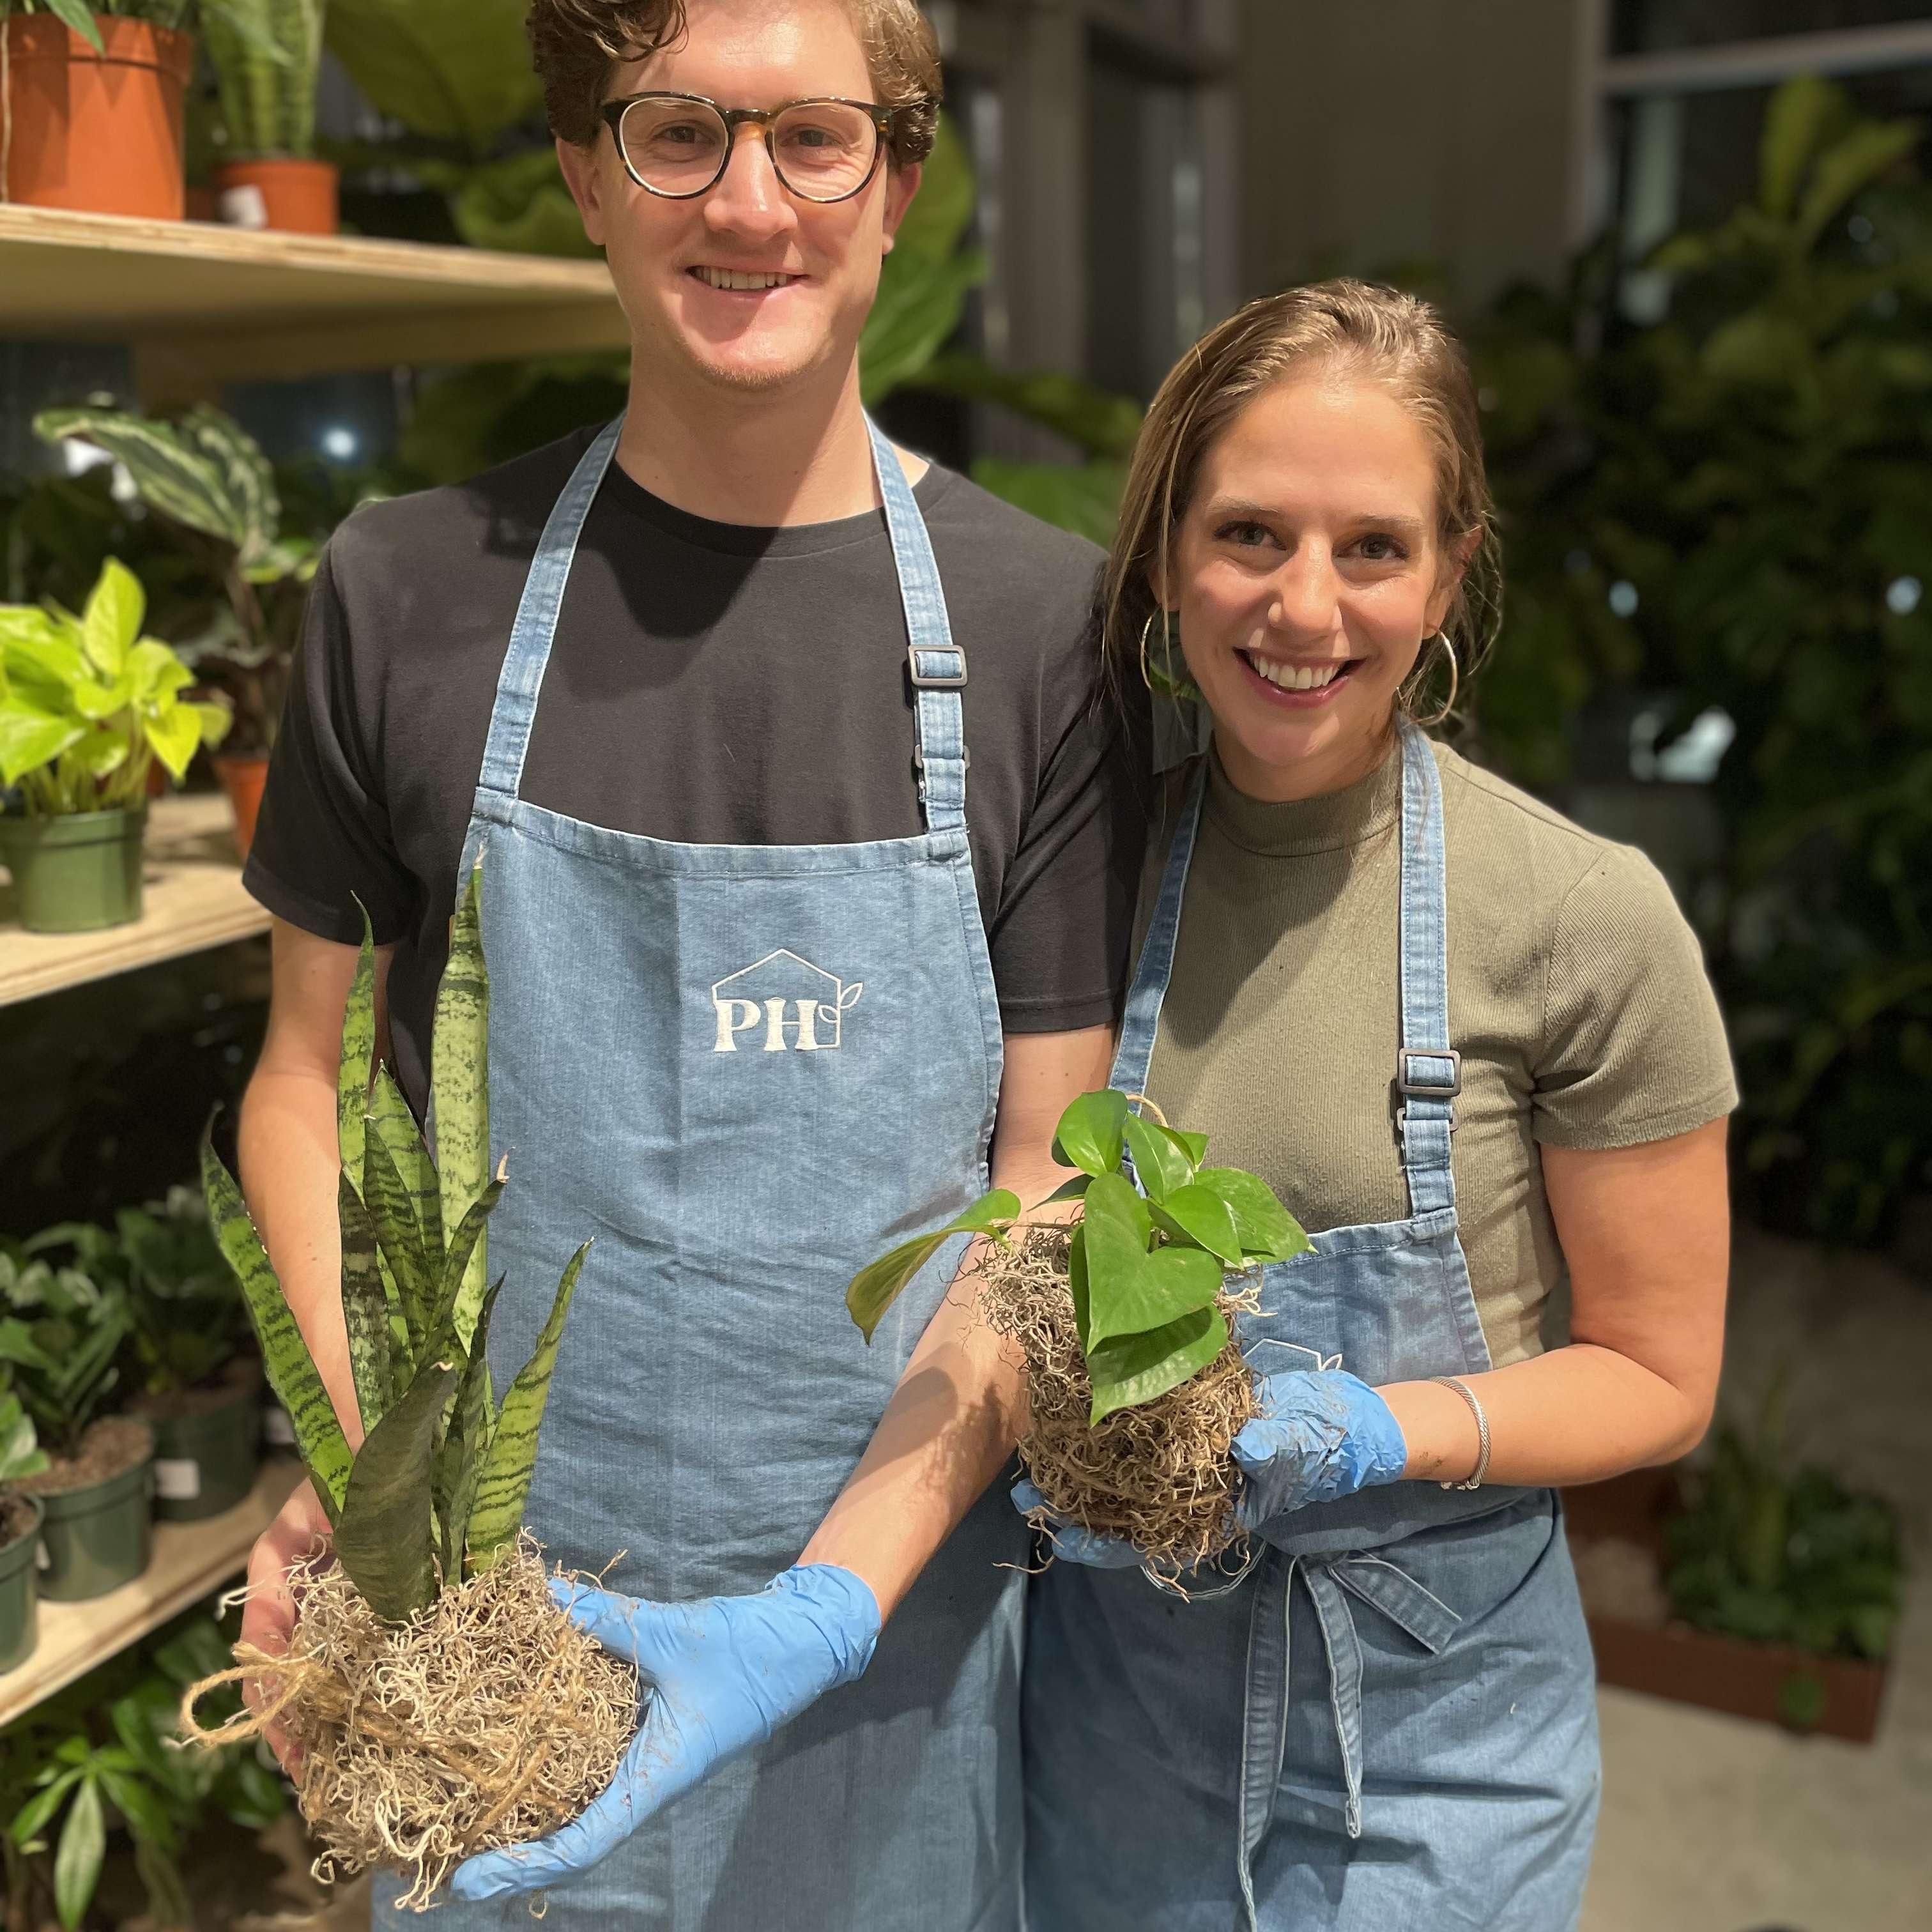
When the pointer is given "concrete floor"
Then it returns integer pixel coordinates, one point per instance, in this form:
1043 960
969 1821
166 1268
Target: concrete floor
1713 1825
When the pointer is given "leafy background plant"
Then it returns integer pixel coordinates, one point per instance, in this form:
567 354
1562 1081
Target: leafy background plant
266 55
62 1330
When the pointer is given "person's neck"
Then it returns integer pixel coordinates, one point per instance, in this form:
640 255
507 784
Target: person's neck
1314 777
799 454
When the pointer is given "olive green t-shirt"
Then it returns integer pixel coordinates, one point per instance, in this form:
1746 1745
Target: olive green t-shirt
1577 997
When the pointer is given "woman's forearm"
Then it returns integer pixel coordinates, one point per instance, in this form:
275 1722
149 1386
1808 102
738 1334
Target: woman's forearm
1577 1414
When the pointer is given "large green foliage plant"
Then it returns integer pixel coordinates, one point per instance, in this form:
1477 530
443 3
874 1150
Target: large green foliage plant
61 1328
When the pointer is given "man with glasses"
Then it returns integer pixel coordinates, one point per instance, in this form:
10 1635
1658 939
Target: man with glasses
806 856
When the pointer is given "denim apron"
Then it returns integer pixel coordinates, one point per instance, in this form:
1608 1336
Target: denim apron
1388 1724
745 1070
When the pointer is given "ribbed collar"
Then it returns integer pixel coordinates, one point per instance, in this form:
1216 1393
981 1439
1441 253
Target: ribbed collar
1331 822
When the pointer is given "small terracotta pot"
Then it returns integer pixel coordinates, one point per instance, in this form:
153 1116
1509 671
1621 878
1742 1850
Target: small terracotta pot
242 775
97 131
298 197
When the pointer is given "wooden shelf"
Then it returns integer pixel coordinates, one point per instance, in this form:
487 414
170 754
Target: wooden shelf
193 900
204 304
190 1560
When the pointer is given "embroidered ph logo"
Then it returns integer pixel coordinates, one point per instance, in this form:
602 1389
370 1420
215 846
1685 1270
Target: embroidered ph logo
782 1003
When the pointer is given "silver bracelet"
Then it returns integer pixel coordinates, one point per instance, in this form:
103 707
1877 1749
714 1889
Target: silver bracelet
1469 1395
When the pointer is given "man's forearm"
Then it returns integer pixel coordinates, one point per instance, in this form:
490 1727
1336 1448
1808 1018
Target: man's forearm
288 1165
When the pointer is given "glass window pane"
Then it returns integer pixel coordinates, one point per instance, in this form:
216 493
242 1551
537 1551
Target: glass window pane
1658 26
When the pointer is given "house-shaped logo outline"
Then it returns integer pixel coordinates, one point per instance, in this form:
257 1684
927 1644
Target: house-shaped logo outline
831 1014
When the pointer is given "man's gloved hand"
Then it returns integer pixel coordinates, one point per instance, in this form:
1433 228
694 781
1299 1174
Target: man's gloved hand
1320 1434
720 1675
1072 1544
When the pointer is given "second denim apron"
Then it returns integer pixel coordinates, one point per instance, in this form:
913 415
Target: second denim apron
745 1070
1390 1724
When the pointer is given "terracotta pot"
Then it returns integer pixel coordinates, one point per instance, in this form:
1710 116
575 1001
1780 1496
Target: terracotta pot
242 775
98 131
299 197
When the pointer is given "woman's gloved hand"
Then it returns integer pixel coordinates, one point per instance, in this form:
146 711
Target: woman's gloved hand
1320 1434
1070 1542
720 1675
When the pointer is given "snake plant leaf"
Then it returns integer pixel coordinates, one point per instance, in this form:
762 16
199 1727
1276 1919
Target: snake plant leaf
456 1263
460 1080
365 1309
1091 1132
79 15
384 1537
400 1238
504 1482
1199 1216
389 1113
1161 1164
1132 1292
1268 1231
355 1069
874 1289
291 1370
1130 1370
466 1443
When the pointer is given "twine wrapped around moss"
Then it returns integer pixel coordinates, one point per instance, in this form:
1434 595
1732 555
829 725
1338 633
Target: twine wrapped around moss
487 1720
1158 1475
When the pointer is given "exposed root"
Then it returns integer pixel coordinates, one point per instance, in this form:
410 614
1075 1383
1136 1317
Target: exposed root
487 1720
1159 1475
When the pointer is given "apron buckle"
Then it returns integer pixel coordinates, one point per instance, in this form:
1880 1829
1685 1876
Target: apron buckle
937 680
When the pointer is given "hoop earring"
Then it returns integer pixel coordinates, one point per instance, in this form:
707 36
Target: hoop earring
1421 677
1146 677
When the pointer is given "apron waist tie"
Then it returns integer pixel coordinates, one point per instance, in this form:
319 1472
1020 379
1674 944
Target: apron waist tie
1330 1582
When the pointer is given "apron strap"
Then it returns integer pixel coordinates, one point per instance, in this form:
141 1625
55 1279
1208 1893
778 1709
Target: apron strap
1140 1021
1429 1071
1372 1580
936 665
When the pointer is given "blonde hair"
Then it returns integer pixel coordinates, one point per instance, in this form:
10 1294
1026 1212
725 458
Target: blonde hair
577 42
1396 340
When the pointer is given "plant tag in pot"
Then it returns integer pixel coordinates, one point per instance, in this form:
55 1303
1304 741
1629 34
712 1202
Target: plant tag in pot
177 1478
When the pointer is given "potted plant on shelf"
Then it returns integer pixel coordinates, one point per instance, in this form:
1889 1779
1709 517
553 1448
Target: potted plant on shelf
87 706
194 1382
21 1456
63 1331
212 483
272 178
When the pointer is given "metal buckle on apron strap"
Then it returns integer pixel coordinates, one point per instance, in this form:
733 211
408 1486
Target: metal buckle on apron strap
1370 1579
944 680
1429 1087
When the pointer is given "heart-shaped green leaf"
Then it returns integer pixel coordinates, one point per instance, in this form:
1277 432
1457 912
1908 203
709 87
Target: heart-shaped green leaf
1160 1161
874 1289
1268 1231
1134 1368
1198 1215
1130 1292
1111 1197
1076 1282
1089 1136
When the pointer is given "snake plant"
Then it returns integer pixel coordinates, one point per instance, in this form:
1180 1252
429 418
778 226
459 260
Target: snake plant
437 1491
266 55
1145 1264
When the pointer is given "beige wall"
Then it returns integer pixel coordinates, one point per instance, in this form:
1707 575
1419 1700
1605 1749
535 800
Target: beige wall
1375 131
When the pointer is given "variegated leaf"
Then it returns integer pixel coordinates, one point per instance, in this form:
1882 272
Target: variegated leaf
246 476
498 1512
466 1443
365 1309
459 1076
384 1538
401 1240
389 1114
178 481
291 1369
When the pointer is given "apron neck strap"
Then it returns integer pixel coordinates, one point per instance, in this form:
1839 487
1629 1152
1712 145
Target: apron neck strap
1429 1071
936 665
1140 1022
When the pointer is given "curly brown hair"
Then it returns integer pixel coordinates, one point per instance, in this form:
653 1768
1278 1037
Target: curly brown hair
577 42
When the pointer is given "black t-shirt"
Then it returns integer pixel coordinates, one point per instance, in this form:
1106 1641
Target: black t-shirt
710 684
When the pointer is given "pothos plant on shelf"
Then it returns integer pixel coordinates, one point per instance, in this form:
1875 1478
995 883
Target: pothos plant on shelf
439 1696
1136 1385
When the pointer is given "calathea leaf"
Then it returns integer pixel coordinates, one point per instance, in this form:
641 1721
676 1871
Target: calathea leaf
460 1081
498 1511
365 1310
1268 1231
1161 1164
384 1538
1090 1131
1130 1292
354 1070
1131 1370
1199 1215
178 481
873 1290
285 1356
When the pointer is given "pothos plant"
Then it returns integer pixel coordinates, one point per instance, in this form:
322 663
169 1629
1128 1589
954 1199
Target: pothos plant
1146 1262
435 1492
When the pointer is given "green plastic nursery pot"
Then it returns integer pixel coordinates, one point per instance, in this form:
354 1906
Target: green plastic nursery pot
206 1454
76 873
95 1539
17 1593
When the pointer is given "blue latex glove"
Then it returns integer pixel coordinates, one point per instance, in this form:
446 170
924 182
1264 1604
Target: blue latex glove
1320 1434
1071 1543
721 1675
